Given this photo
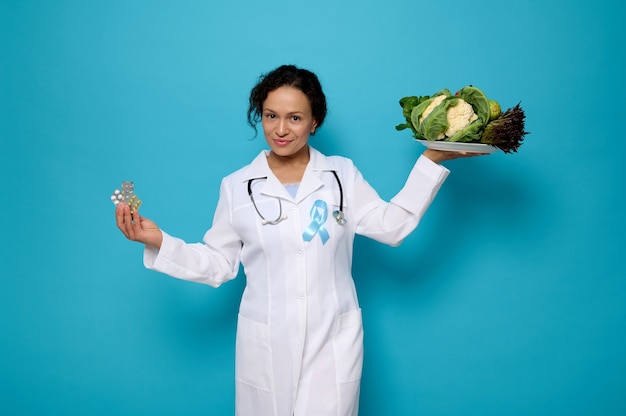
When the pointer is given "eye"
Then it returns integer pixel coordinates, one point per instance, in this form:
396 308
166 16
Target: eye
271 116
296 118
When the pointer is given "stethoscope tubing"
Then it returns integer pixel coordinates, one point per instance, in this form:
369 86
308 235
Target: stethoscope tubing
338 214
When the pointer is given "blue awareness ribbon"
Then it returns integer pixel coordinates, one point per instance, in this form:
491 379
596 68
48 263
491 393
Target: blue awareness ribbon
319 214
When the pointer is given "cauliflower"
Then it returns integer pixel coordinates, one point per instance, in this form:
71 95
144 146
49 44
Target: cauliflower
459 117
434 104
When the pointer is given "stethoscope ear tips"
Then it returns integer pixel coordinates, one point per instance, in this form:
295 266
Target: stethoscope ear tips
340 217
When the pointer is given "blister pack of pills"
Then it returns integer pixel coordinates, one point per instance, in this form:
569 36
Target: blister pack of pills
126 196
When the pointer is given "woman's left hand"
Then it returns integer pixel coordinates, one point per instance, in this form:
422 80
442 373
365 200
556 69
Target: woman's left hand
438 156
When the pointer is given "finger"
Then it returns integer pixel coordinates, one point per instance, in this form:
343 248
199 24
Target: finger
119 218
136 220
126 221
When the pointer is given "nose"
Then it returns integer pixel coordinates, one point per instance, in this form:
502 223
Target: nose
282 129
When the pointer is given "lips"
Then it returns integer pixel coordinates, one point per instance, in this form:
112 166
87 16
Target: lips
281 142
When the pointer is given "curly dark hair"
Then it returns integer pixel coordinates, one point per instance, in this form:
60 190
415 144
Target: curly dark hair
291 76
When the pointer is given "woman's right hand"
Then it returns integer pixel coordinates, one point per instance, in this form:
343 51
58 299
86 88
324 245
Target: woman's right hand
137 228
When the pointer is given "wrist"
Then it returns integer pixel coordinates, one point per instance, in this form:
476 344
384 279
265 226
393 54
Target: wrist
434 155
155 240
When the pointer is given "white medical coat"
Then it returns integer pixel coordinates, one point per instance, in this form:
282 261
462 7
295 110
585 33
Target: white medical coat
299 347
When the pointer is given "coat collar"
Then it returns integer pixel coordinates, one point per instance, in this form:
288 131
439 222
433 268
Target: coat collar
311 181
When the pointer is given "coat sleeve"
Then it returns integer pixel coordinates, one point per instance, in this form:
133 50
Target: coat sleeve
212 262
390 222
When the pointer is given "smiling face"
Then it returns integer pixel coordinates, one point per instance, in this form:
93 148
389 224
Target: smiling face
287 122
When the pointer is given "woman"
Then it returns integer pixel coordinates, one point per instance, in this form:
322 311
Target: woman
290 218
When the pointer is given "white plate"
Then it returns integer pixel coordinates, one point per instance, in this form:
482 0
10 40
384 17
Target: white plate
459 146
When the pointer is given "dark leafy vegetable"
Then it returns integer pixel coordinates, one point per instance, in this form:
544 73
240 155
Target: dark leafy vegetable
507 131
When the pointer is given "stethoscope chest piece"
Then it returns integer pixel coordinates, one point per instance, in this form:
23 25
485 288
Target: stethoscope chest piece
340 217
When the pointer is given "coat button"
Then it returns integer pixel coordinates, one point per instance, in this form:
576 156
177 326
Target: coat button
299 253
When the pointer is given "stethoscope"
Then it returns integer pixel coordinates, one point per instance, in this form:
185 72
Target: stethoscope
339 215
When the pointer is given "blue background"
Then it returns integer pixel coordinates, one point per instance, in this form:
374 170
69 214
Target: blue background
509 299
